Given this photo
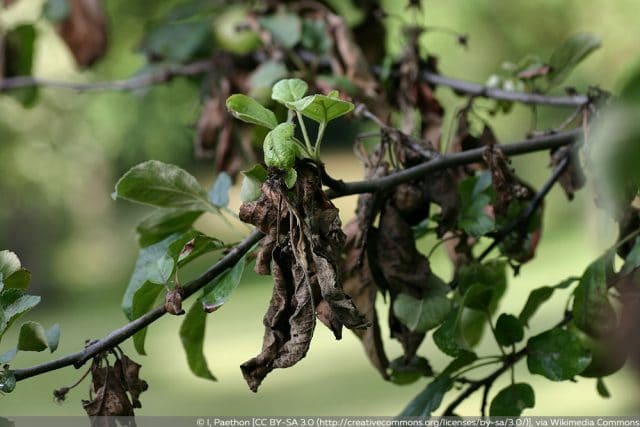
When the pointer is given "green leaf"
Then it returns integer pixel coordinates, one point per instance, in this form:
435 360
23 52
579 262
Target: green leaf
12 275
403 372
592 310
178 42
478 297
290 178
249 110
143 300
429 399
465 358
602 389
279 147
216 293
569 54
289 90
448 336
509 330
163 185
13 304
219 193
32 337
539 296
421 315
512 400
153 265
163 223
19 49
476 193
314 36
192 245
53 337
321 108
285 28
257 172
557 354
192 336
56 10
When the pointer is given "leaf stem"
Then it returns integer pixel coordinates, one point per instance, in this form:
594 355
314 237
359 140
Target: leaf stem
321 129
304 132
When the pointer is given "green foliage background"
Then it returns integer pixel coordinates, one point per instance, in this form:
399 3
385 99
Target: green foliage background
61 159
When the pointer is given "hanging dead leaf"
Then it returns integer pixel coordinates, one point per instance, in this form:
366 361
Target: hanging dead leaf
572 179
110 398
85 31
173 302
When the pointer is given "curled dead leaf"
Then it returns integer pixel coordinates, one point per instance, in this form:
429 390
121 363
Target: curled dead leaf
85 31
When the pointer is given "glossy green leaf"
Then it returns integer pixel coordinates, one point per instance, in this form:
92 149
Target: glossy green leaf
557 354
153 265
421 315
512 400
321 108
216 293
143 300
56 10
592 310
53 337
476 193
569 54
249 110
509 330
289 90
429 399
602 389
403 372
192 333
163 185
32 337
219 193
163 223
285 28
279 147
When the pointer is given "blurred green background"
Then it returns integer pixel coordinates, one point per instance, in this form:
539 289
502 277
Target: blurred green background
60 160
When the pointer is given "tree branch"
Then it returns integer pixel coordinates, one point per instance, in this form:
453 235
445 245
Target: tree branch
440 163
474 89
138 82
121 334
538 143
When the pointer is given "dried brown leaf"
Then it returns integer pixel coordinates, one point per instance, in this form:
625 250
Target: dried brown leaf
85 31
572 179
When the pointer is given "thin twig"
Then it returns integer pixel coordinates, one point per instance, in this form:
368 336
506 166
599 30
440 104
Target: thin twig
138 82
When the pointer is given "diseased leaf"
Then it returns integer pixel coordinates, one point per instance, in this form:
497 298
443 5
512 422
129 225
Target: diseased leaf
163 223
557 354
321 108
32 337
84 31
429 399
192 336
216 293
192 245
279 147
592 310
512 400
163 185
249 110
219 193
509 330
285 28
289 90
569 54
